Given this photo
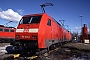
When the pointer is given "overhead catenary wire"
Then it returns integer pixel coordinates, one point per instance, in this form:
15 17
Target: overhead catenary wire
10 22
44 5
61 22
56 14
53 10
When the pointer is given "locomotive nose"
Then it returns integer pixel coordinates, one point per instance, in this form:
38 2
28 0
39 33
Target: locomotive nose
29 34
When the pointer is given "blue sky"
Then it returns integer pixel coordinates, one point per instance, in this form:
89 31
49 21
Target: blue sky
68 10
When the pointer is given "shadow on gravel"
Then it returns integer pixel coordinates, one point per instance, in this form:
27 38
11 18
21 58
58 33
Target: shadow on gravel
67 53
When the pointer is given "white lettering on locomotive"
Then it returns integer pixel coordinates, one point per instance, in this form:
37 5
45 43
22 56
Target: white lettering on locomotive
25 36
19 30
26 30
35 30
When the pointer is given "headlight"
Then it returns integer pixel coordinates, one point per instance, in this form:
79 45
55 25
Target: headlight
34 36
17 36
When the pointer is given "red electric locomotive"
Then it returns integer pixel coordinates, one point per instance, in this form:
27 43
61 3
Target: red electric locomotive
36 32
84 35
7 34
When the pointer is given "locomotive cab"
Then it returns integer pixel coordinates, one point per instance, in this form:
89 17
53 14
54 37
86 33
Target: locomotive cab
27 31
28 28
26 39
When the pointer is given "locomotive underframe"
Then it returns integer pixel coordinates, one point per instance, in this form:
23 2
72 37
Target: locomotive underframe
6 40
24 48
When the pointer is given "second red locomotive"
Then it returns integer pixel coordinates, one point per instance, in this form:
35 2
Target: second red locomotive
38 31
7 34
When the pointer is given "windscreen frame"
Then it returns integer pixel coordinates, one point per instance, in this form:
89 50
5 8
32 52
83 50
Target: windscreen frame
30 19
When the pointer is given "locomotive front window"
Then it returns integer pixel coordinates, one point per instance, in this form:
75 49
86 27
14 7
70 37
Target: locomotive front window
30 20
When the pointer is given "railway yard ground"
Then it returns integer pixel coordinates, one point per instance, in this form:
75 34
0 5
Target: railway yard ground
69 51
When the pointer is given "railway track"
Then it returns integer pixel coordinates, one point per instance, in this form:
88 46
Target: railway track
44 52
57 53
36 56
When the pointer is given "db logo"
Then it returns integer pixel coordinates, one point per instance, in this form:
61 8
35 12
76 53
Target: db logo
26 30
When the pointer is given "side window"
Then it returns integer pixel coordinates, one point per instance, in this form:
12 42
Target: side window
11 30
1 29
6 30
49 22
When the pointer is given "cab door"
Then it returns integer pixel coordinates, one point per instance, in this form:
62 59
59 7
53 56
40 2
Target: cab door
48 33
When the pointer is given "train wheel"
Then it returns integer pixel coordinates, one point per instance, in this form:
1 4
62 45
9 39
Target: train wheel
48 48
52 47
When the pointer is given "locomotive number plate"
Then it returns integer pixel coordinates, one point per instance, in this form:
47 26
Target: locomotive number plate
25 36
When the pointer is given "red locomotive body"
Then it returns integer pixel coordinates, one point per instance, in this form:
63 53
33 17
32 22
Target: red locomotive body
39 31
7 34
84 35
41 28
